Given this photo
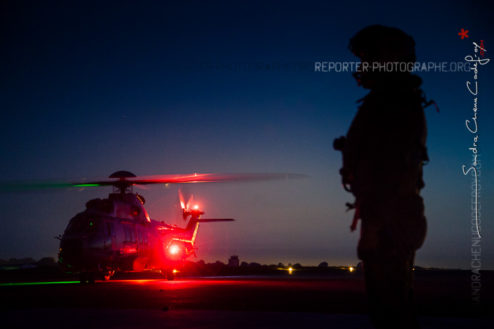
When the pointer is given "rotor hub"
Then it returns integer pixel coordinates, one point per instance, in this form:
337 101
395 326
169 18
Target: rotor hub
122 185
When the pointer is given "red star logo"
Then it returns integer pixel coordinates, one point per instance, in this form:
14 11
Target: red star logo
463 34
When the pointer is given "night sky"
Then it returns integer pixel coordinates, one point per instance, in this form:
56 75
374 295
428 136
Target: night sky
203 86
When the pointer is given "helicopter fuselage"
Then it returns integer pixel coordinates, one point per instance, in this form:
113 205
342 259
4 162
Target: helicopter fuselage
117 234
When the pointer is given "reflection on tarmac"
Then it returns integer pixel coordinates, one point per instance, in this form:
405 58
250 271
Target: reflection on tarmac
41 283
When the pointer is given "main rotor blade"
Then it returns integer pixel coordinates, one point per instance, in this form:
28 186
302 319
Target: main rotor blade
181 199
39 185
210 178
146 180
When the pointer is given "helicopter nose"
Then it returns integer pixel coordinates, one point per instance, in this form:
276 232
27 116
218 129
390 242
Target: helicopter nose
70 250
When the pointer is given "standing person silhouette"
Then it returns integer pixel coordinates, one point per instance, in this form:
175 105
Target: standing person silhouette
383 154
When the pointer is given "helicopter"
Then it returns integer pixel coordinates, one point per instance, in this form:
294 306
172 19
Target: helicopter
116 234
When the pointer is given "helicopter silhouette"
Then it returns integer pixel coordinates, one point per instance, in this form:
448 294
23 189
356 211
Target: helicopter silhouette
116 234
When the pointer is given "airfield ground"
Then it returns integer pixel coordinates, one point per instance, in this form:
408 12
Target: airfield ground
337 301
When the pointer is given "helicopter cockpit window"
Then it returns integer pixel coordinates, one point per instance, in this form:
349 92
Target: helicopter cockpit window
104 205
82 224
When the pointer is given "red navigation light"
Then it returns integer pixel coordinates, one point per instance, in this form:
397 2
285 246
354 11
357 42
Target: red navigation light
128 250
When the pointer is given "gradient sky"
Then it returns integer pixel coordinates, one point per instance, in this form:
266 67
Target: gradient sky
87 89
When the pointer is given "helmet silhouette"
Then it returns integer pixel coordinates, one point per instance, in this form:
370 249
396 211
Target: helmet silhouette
378 43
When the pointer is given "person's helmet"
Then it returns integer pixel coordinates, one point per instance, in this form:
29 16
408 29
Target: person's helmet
378 43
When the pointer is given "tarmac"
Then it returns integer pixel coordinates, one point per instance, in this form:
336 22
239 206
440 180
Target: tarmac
222 302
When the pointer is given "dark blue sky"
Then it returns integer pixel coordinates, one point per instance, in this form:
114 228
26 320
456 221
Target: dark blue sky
87 89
